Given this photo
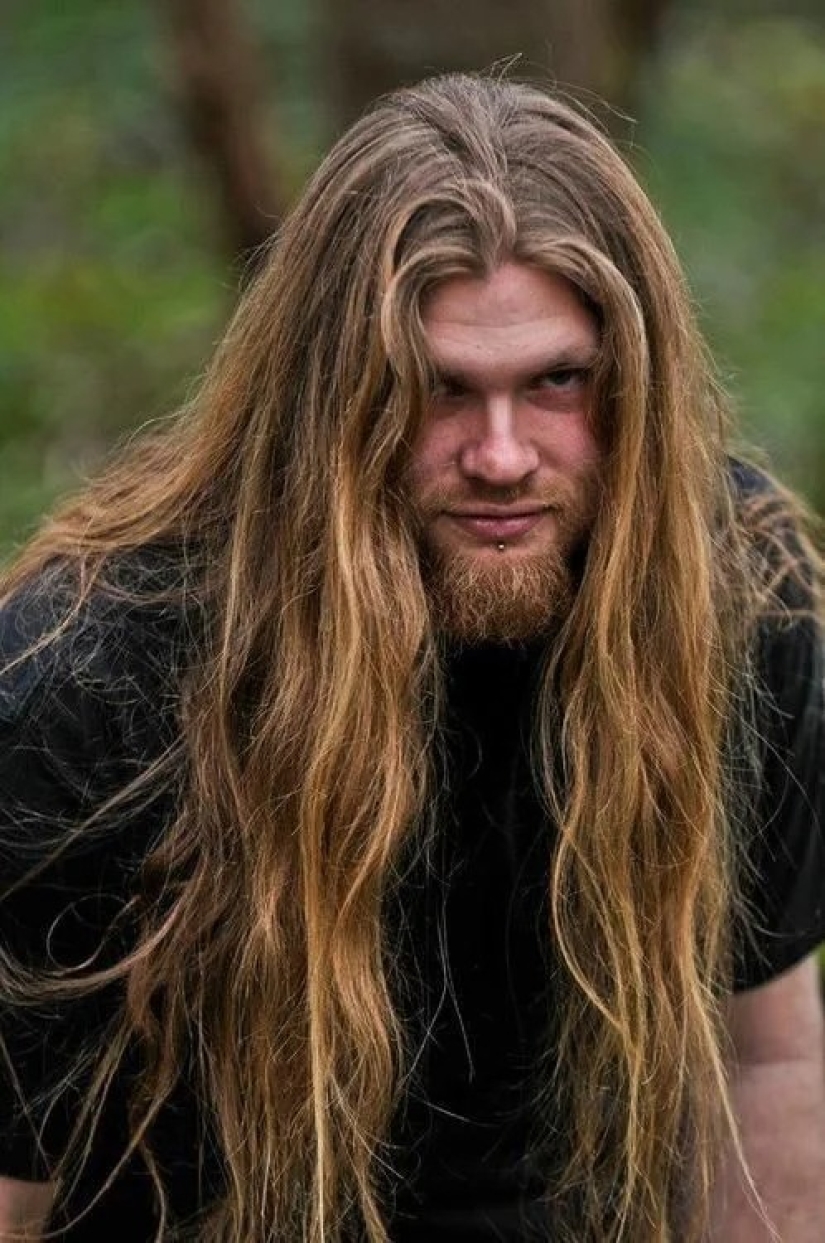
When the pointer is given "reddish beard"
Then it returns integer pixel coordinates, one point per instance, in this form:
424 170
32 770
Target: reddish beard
509 595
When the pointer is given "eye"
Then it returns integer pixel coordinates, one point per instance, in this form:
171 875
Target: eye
447 388
562 379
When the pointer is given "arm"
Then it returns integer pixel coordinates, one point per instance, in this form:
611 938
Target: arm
778 1091
60 759
24 1208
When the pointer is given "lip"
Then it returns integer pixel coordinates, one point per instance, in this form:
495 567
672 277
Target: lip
499 526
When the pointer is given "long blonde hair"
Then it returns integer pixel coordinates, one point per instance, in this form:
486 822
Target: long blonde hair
307 720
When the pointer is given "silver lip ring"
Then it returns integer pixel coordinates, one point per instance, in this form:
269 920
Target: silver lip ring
500 547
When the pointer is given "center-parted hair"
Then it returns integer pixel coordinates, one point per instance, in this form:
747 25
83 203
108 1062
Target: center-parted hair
310 716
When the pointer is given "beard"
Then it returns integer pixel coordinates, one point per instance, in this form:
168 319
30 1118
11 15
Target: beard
481 594
500 601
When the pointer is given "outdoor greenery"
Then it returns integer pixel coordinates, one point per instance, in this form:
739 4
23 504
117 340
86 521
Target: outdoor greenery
113 285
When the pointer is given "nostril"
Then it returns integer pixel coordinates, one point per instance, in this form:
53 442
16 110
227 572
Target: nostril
499 460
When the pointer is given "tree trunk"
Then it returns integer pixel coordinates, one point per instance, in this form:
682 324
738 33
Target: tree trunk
593 48
216 80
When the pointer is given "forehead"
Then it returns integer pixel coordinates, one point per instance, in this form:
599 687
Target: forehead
517 314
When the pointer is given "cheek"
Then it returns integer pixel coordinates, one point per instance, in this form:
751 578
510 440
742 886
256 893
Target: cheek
573 446
433 451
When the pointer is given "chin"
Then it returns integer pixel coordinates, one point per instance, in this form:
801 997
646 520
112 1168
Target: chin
519 550
490 595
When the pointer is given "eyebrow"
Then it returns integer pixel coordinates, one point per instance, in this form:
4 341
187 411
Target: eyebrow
573 357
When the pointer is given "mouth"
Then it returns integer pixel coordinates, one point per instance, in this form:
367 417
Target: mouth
496 526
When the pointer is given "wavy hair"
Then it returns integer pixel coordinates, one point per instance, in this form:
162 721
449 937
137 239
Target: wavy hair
310 716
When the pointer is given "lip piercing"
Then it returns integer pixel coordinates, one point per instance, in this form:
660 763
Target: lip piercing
500 547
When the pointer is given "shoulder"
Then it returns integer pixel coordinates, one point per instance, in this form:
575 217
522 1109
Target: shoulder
786 589
60 641
784 794
776 530
748 480
89 700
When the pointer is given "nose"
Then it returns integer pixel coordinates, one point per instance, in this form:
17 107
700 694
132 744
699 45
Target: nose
497 451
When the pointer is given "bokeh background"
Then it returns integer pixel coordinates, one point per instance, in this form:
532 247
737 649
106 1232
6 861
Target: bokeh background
147 148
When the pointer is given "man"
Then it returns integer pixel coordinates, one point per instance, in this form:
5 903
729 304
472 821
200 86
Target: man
412 757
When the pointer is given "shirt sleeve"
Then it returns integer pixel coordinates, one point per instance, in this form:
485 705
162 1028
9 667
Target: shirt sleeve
784 867
66 870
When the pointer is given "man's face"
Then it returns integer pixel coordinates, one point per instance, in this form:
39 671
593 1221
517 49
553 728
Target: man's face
503 476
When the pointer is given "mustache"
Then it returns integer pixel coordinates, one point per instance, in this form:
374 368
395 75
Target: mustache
543 496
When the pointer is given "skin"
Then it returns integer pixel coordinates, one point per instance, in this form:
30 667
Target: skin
778 1038
24 1208
779 1096
507 453
509 427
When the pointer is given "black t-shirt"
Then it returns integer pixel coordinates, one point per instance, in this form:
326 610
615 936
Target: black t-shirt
84 716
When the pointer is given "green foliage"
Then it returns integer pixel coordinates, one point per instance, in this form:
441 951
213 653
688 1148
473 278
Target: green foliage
109 288
112 287
736 159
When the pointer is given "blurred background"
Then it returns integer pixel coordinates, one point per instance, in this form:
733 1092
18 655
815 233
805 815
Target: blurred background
147 148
